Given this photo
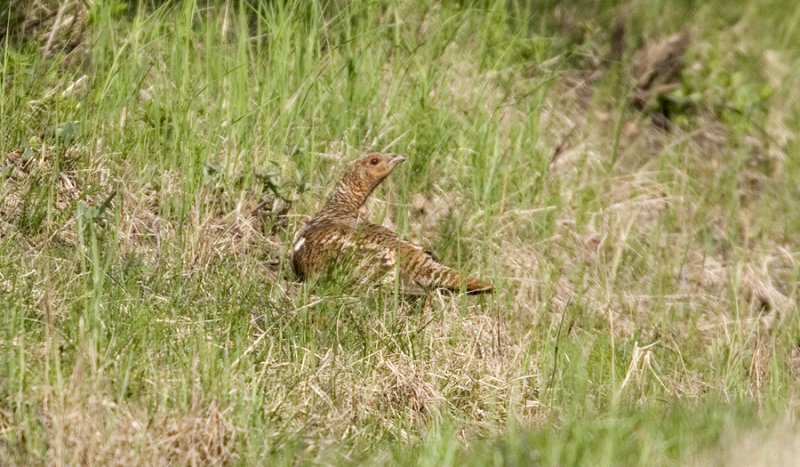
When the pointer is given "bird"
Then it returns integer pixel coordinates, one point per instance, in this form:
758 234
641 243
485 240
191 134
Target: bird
338 236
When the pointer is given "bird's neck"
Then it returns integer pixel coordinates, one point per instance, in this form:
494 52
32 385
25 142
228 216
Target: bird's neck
348 197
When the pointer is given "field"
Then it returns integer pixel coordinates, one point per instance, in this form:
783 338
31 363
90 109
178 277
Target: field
625 173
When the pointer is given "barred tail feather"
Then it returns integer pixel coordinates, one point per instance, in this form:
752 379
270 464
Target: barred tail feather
453 280
422 269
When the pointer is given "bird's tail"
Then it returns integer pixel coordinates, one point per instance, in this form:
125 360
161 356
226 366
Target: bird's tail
423 269
453 280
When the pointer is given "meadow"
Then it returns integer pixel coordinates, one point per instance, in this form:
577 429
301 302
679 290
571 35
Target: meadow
624 172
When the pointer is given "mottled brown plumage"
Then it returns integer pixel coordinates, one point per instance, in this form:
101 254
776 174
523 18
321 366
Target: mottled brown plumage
337 233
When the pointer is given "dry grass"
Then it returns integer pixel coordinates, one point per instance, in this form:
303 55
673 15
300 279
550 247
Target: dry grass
93 430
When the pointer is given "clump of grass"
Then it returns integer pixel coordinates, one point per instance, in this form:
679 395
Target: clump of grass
154 172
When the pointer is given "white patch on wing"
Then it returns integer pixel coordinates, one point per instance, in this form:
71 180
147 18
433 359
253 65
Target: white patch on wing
390 258
299 244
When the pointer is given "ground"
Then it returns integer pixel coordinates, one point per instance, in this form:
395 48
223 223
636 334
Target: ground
625 173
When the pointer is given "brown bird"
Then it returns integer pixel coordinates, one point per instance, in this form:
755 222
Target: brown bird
337 235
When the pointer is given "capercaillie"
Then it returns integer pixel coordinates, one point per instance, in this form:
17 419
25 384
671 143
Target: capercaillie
337 233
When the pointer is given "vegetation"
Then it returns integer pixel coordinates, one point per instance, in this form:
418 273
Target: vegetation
640 221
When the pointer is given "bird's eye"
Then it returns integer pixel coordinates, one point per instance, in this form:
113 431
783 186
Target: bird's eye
374 161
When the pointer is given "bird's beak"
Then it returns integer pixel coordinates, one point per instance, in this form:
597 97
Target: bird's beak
397 159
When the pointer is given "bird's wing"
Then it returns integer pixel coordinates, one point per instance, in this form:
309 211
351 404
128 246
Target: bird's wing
417 267
318 244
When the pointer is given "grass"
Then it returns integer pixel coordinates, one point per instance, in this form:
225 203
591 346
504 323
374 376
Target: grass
156 159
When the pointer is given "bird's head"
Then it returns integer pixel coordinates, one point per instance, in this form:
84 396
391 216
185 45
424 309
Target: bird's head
366 173
372 168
